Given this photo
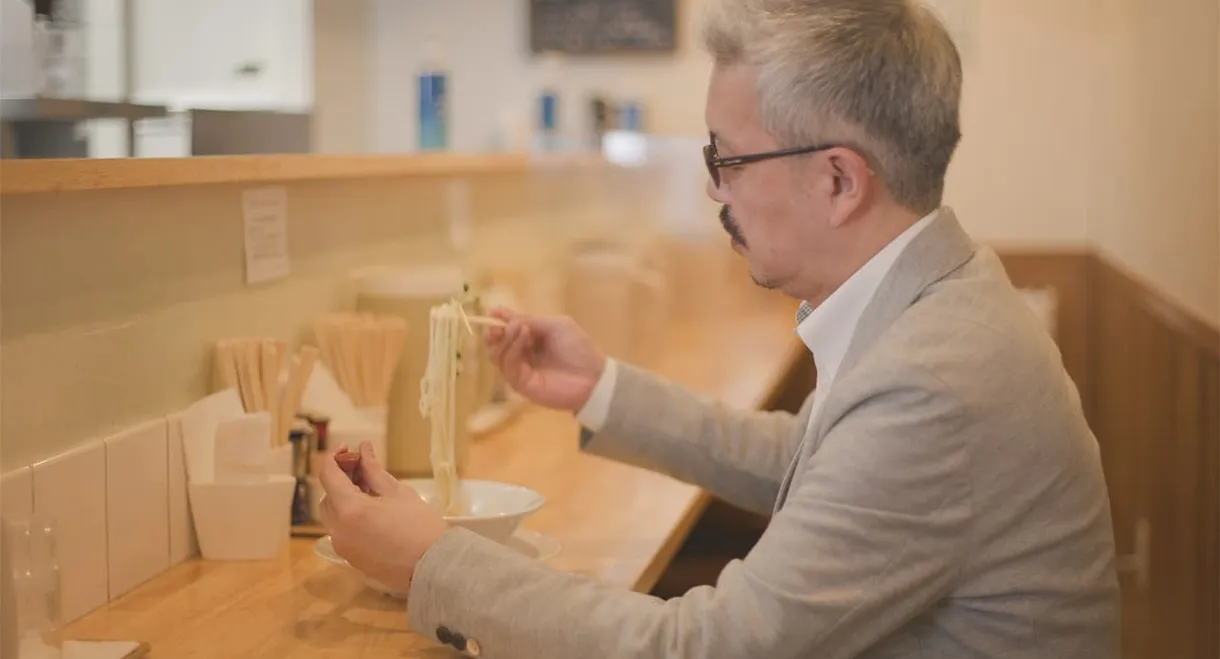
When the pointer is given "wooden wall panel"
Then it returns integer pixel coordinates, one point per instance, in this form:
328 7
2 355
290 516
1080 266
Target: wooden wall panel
1147 373
1208 599
1122 452
1156 412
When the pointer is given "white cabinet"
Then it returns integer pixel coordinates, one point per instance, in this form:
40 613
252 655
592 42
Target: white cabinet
226 54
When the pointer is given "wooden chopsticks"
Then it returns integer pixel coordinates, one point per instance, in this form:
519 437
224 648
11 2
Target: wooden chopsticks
489 321
362 350
294 390
252 367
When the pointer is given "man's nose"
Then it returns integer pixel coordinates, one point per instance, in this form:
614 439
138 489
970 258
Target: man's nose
715 193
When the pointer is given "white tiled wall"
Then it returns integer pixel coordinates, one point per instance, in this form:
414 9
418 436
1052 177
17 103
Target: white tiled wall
182 543
137 506
17 493
120 507
71 488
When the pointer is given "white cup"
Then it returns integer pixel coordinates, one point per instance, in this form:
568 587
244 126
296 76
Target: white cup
247 521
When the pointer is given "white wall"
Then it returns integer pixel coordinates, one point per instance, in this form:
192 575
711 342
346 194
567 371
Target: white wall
1023 111
1155 144
1085 121
1023 124
342 66
486 48
105 79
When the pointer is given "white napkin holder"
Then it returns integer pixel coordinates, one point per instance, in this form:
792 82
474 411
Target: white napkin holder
240 489
243 521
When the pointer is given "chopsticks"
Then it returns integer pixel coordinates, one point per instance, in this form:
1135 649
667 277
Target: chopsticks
362 350
294 391
252 367
488 321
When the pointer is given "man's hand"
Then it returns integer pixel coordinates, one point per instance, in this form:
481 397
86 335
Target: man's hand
549 360
385 533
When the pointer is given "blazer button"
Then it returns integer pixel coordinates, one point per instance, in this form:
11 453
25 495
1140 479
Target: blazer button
458 641
444 635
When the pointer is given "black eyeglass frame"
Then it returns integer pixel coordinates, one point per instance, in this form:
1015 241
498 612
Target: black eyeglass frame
714 162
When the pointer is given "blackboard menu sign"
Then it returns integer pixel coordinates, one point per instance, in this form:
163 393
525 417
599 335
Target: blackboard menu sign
603 26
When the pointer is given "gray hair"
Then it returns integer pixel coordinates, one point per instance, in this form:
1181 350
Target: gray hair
881 76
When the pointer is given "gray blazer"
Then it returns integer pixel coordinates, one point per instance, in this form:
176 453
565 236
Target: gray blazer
947 502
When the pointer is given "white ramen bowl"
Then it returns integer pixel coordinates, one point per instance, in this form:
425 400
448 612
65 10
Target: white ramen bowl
493 509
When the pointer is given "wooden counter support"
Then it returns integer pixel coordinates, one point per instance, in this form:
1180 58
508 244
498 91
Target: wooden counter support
618 524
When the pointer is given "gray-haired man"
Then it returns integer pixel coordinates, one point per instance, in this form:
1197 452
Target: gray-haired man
938 496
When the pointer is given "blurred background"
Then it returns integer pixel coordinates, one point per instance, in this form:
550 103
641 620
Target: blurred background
1090 161
1067 103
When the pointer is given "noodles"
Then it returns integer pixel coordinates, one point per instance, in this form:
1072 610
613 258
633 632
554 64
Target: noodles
438 398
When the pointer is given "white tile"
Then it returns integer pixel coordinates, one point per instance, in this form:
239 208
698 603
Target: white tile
17 493
182 543
137 505
71 488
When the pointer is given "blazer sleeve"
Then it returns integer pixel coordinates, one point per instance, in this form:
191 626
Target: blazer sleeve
739 455
874 532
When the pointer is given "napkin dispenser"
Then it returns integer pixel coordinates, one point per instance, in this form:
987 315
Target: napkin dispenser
239 492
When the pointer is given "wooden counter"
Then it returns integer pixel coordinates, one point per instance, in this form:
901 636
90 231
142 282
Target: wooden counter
32 176
618 524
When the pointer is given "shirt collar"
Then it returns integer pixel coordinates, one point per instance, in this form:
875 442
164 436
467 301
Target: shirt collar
827 329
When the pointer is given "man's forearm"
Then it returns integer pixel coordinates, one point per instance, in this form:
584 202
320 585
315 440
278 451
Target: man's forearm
638 418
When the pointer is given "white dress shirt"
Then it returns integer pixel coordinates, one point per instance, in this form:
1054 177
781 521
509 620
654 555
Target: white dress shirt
826 329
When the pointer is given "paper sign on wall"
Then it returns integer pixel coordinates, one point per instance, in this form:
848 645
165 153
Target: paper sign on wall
265 211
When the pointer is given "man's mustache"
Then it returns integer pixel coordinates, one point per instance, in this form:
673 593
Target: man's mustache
730 225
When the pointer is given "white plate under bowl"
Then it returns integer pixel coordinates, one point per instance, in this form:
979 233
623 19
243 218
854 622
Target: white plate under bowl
531 544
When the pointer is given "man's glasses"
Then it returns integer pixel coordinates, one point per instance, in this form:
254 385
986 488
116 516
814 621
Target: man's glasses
715 162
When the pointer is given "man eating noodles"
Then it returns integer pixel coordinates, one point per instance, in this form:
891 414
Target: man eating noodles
938 495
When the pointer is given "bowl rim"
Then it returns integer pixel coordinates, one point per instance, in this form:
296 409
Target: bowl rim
533 508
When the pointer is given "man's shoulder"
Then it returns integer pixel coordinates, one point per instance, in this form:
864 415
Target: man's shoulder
974 334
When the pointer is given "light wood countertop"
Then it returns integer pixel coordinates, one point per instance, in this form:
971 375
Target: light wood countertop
19 176
618 524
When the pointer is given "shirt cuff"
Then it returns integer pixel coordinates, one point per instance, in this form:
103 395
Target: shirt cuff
593 415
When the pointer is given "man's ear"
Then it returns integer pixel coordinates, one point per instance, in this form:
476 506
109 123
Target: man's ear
851 179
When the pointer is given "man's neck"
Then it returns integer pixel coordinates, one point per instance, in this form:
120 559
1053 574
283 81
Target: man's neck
862 240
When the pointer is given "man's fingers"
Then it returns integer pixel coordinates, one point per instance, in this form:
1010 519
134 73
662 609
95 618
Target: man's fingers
379 480
493 335
499 351
515 354
503 313
340 490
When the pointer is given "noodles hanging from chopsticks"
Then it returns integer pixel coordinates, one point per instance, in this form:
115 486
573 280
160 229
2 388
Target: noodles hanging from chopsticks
438 398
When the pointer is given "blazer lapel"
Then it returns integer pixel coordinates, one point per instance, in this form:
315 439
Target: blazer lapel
940 249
